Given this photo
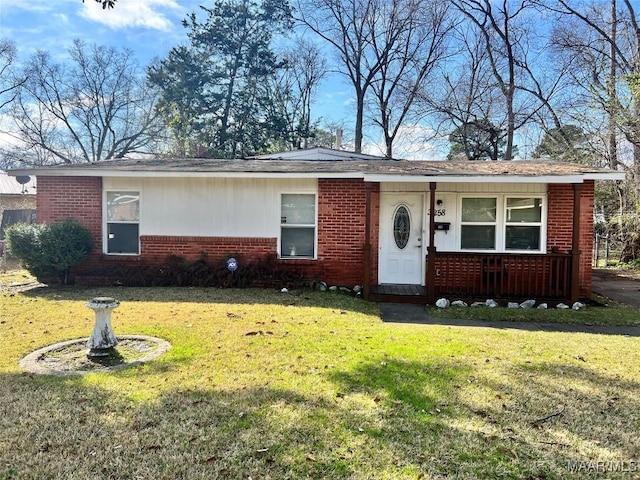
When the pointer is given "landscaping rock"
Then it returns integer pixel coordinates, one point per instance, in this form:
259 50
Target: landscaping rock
322 286
491 303
528 304
459 303
578 306
562 306
333 288
542 306
478 304
442 303
513 305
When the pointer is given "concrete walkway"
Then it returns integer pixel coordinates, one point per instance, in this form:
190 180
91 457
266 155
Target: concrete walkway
418 314
619 289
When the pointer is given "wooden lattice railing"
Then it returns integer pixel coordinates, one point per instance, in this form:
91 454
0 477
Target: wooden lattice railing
503 275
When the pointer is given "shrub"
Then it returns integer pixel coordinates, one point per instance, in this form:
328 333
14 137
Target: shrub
49 250
179 272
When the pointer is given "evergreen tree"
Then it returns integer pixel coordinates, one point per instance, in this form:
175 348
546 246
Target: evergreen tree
567 144
210 89
477 140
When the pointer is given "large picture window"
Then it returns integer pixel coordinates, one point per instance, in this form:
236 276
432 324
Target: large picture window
297 225
501 223
123 219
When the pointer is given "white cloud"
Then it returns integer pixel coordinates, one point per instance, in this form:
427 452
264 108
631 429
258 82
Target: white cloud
147 14
413 142
8 5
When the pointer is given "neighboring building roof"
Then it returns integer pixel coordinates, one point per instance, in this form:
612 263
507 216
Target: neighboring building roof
317 154
327 163
17 185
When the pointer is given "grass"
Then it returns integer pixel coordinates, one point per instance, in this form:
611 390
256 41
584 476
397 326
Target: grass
14 276
606 312
262 384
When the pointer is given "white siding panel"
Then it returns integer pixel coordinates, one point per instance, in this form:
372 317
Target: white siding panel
226 207
489 188
483 187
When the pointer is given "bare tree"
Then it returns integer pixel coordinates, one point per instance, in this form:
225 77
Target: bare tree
603 45
293 89
467 100
349 26
93 107
9 84
409 39
507 40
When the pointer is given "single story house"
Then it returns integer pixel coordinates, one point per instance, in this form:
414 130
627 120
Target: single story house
403 230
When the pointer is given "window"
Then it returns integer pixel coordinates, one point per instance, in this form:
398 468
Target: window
523 218
123 218
502 223
401 227
478 225
297 225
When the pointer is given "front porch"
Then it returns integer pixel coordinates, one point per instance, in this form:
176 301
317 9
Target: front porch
472 276
546 276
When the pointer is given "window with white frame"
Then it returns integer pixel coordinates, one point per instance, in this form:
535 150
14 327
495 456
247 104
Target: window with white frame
297 225
478 223
523 223
123 222
501 223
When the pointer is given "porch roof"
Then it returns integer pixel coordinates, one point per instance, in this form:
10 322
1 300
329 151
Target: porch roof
334 164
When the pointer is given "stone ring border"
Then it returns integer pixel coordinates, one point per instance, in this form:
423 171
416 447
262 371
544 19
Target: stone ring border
30 361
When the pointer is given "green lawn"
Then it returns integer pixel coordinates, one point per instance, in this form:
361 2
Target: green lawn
601 312
261 384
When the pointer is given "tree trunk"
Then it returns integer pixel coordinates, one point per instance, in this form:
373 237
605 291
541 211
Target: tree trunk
359 121
613 143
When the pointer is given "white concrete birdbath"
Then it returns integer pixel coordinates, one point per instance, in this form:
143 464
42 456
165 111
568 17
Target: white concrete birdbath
103 339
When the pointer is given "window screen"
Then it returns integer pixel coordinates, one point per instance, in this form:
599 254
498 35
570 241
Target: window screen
297 225
478 229
523 223
123 217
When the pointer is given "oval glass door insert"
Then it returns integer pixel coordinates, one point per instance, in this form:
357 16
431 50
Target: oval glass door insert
401 226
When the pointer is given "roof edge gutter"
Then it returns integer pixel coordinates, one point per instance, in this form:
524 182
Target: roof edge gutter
475 178
173 174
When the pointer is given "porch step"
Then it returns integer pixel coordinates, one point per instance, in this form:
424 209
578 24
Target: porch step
399 294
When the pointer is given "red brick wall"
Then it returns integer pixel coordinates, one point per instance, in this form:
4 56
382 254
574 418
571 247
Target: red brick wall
587 201
156 248
560 226
341 218
60 198
341 234
341 211
375 232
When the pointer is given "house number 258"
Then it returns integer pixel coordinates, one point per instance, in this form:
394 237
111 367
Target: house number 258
439 212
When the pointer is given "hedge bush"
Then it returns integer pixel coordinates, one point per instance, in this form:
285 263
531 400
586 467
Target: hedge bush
47 250
179 272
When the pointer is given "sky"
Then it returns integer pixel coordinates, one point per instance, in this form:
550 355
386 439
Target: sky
151 28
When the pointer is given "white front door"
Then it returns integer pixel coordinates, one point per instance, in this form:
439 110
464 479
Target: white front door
401 258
